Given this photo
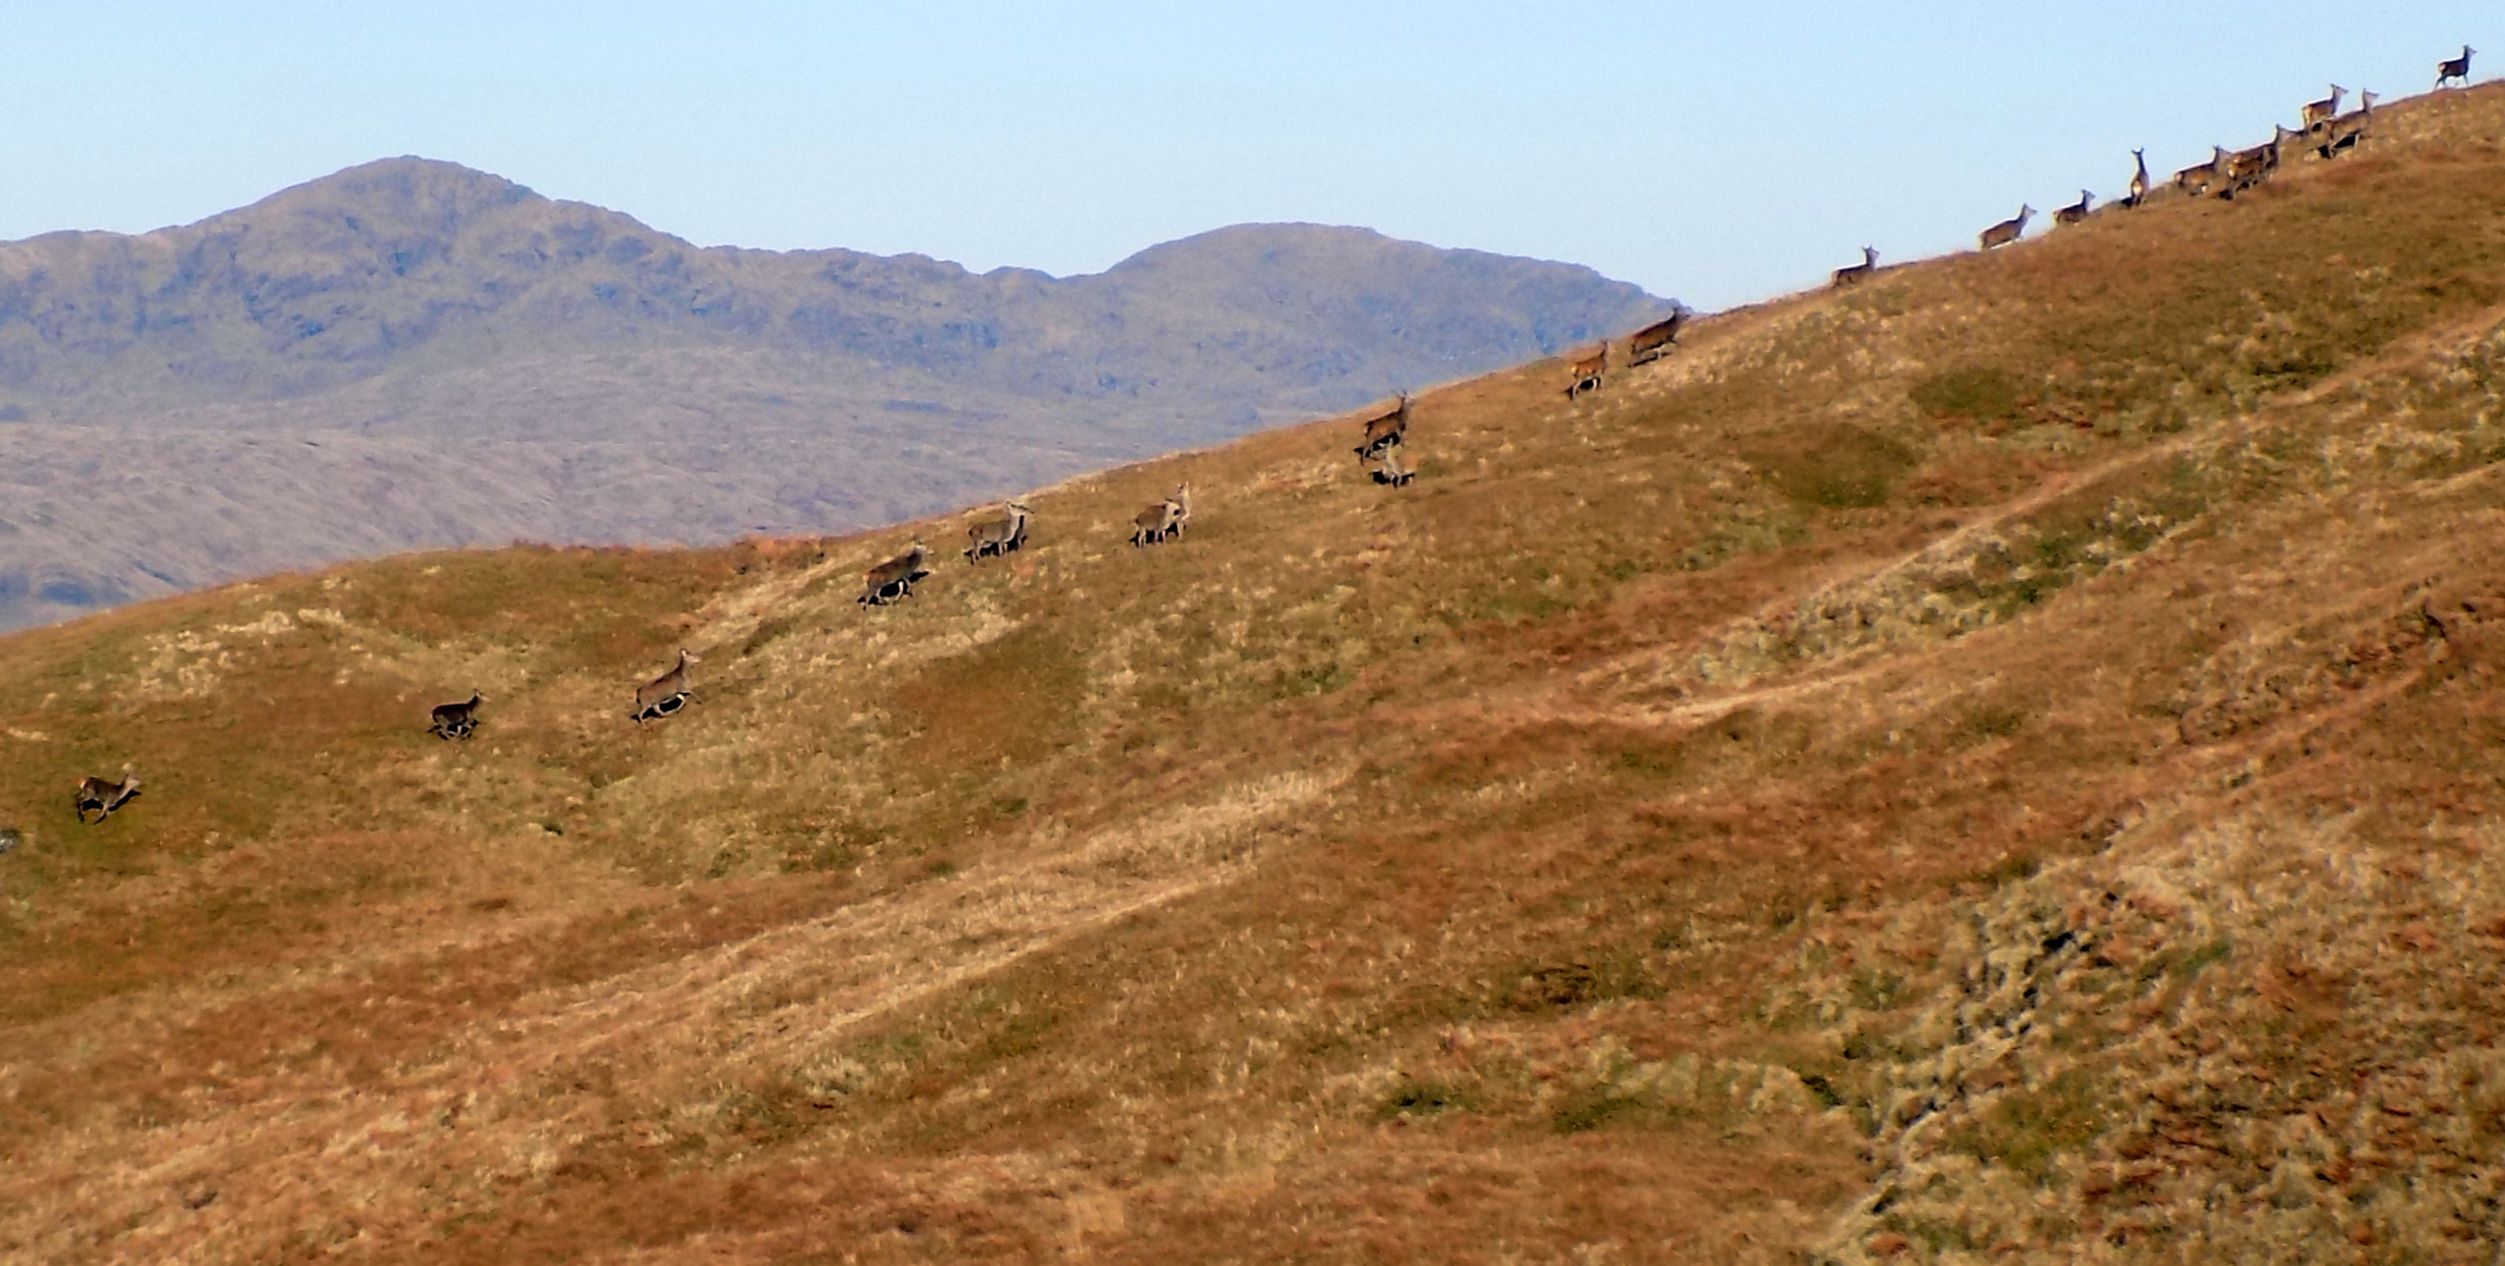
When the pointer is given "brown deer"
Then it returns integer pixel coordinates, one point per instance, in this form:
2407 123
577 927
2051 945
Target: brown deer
2249 167
2007 231
2197 180
2320 112
1182 499
1655 341
2454 67
994 537
1586 373
2243 166
1385 430
102 797
1156 522
456 720
2076 211
2139 179
666 694
1855 274
2345 132
893 579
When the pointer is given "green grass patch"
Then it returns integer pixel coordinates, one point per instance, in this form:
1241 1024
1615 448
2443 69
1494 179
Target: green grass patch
2029 1130
1416 1098
1592 1107
1971 393
2194 963
1832 465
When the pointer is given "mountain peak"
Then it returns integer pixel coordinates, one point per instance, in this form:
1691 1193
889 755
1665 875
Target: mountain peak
1236 241
406 188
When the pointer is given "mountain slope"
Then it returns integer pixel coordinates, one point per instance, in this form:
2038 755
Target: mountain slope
591 379
1997 762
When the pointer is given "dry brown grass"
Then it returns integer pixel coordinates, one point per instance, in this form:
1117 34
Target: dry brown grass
1999 762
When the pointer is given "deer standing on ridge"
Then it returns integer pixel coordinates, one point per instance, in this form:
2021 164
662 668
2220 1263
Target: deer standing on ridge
2320 112
1855 274
2346 131
2076 211
2284 140
2249 167
2007 231
2454 67
2197 180
2139 179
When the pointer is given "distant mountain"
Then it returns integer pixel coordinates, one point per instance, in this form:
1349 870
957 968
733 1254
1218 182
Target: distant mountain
413 353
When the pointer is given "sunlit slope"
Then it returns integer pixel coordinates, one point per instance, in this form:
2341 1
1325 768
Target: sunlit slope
2005 756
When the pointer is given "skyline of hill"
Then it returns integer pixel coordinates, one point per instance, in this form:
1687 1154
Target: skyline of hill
410 353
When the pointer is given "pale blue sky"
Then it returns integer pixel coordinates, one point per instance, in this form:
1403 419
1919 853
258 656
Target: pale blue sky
1718 153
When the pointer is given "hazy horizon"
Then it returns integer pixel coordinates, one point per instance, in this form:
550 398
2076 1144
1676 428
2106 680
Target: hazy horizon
1673 154
629 212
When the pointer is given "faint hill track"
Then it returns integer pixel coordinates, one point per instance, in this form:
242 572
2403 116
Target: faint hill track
1871 593
763 1005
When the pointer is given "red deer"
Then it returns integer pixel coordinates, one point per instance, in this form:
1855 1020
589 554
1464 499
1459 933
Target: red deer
893 579
1854 274
2076 211
1386 430
2320 112
1655 341
1587 373
1182 509
2197 180
456 720
1164 519
2007 231
1004 535
2454 67
103 797
2344 132
2249 167
666 694
2139 179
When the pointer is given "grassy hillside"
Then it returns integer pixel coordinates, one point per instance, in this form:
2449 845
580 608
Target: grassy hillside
2002 760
